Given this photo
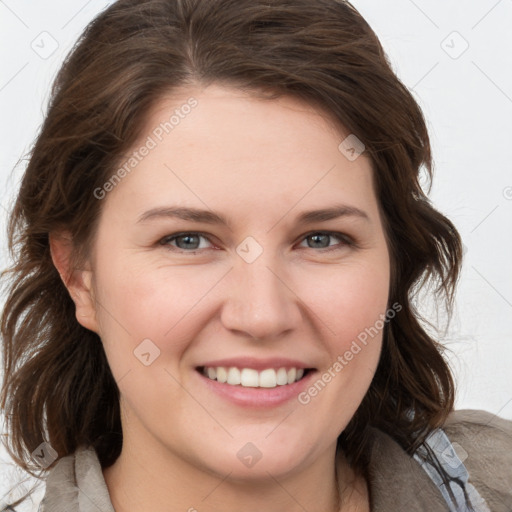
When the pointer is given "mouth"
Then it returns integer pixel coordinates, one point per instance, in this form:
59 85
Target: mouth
252 389
251 378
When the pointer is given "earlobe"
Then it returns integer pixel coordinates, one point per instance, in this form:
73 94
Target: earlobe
77 281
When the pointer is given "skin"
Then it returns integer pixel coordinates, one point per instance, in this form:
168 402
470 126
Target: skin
260 163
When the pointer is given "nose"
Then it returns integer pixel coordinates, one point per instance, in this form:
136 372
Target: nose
260 300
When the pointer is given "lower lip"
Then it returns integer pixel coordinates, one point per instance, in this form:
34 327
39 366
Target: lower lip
258 397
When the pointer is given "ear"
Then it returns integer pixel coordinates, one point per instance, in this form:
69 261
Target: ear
77 281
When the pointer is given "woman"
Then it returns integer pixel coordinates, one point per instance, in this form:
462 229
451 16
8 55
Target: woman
277 362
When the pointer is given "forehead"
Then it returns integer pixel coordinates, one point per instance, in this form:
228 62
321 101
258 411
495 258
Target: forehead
219 110
223 144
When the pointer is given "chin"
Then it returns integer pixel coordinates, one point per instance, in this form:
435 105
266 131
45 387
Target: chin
249 461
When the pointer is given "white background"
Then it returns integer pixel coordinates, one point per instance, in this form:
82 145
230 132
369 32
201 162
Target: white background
466 97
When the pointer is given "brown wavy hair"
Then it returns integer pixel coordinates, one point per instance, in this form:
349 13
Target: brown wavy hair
57 384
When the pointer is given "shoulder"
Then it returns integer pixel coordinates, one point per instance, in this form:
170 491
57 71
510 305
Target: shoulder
483 443
76 482
474 417
481 433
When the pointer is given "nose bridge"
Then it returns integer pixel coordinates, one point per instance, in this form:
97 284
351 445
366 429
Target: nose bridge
259 302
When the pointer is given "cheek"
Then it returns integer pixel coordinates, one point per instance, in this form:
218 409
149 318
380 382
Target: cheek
349 308
163 304
350 301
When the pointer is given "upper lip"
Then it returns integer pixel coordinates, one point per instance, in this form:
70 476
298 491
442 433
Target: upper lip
256 364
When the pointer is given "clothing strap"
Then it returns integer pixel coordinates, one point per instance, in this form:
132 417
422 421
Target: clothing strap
446 455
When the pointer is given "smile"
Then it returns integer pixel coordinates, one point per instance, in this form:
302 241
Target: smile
251 378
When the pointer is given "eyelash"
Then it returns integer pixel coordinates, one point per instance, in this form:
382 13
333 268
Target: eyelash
345 239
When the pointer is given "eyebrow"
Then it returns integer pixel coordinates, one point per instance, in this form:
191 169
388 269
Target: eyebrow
211 217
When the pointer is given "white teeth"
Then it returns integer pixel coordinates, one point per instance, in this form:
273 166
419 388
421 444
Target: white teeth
268 378
222 376
250 378
282 376
233 376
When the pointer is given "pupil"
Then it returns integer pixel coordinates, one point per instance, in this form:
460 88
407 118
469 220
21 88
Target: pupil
188 238
316 237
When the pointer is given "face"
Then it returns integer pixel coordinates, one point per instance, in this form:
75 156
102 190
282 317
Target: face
173 291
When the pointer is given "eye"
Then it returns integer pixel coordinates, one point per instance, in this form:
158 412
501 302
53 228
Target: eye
320 240
190 241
